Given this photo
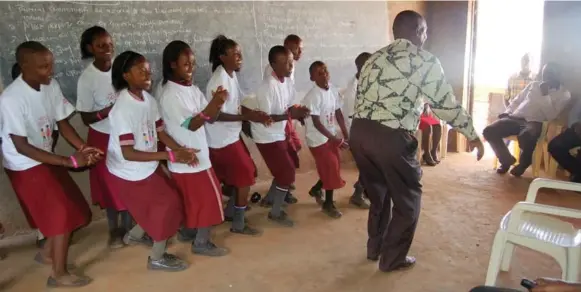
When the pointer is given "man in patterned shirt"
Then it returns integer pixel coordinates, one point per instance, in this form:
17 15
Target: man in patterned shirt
519 81
395 83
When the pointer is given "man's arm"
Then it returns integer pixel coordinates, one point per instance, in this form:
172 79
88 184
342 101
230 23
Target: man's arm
515 103
443 103
551 106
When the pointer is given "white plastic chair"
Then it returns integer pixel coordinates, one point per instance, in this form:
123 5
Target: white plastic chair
535 226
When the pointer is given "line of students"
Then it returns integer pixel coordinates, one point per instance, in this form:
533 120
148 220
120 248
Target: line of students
201 138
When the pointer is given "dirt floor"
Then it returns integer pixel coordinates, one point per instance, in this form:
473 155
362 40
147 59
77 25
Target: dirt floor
462 205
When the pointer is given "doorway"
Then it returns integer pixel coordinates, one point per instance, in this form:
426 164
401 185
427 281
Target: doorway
504 31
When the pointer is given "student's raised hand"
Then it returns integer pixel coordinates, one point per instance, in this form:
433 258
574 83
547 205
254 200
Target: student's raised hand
219 96
477 144
554 285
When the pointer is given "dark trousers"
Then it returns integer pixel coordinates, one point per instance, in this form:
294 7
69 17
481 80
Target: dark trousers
492 289
559 148
390 172
527 132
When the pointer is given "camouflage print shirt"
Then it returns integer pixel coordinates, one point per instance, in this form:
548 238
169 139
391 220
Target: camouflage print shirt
398 80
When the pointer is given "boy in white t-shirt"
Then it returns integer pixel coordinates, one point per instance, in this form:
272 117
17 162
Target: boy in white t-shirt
295 45
29 109
274 98
349 95
322 139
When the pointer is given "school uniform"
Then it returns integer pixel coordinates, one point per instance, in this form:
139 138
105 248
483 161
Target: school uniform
274 98
290 131
324 103
49 197
94 93
229 156
143 188
198 185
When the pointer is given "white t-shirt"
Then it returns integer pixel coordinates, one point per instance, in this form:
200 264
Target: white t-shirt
178 103
29 113
133 122
222 134
274 98
348 96
94 93
268 72
322 103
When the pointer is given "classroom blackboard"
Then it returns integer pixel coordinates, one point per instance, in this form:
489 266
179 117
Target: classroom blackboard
334 32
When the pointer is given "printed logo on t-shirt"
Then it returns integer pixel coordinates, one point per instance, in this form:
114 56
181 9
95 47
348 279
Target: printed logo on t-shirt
112 97
148 134
330 118
46 132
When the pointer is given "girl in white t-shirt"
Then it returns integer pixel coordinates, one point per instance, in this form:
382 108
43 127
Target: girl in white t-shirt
15 72
95 98
133 161
29 109
322 139
185 112
230 157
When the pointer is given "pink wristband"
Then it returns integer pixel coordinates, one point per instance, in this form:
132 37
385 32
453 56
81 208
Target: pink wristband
74 161
99 116
203 116
172 157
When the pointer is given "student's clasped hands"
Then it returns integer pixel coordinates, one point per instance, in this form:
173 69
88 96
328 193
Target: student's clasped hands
87 156
186 156
298 112
259 117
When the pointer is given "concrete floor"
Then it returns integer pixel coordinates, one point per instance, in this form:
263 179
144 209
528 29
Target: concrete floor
463 203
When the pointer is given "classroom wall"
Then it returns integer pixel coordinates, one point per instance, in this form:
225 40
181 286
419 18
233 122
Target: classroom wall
12 217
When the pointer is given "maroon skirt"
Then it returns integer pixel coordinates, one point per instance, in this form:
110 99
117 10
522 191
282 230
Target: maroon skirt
153 202
99 176
328 163
50 199
279 161
233 165
202 198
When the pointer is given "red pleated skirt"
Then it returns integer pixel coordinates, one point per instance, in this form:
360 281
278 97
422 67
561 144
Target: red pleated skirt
50 199
153 202
202 198
233 165
328 163
279 161
99 176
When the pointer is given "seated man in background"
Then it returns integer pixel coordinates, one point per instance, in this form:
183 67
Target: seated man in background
542 285
519 81
561 146
540 101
